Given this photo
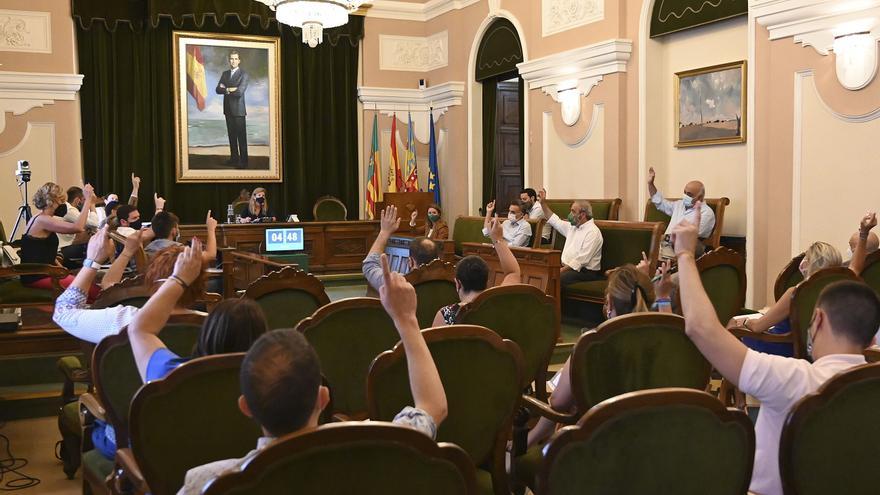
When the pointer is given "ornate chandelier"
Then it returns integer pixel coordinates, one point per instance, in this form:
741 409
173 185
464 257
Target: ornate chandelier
313 16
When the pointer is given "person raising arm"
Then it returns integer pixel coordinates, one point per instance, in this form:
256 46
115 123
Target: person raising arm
869 221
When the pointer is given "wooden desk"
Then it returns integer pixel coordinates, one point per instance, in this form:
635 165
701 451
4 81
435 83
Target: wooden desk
37 334
333 247
539 267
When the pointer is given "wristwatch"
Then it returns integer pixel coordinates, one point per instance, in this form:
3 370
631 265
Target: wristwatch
89 263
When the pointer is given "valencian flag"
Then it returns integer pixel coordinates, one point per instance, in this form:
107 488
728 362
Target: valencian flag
373 188
395 180
433 174
412 168
195 75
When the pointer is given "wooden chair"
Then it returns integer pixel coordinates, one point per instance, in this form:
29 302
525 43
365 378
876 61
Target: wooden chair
622 243
871 272
802 304
483 379
525 315
366 458
723 273
830 441
645 350
435 288
240 208
287 296
140 257
467 229
198 400
789 276
116 380
603 209
872 354
718 205
14 294
329 209
668 440
348 335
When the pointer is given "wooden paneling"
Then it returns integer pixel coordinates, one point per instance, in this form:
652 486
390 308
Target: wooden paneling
539 267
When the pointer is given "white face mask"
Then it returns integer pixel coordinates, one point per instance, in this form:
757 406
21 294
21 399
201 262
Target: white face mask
687 200
849 254
512 217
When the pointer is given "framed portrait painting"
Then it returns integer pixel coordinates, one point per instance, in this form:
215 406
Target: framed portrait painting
227 107
710 105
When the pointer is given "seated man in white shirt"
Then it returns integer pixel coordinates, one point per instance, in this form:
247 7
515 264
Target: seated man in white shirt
281 382
582 253
517 231
682 209
845 319
73 249
532 209
129 217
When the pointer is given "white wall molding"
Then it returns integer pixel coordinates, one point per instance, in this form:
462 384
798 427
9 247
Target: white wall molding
409 11
22 91
25 31
561 15
400 101
414 53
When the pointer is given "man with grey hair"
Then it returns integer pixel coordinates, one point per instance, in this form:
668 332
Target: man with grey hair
680 210
582 253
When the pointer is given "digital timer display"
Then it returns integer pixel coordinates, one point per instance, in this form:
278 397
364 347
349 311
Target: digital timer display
284 240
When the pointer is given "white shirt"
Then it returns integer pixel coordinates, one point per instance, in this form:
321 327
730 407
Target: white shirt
516 233
72 216
678 212
91 325
779 383
583 245
537 213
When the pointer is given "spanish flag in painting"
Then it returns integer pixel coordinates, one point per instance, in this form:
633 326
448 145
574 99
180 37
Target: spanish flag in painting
195 75
373 171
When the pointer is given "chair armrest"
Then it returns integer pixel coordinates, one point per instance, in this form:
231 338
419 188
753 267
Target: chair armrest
128 473
72 369
54 271
538 408
91 408
741 332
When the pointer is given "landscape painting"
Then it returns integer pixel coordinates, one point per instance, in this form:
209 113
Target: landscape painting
710 105
227 107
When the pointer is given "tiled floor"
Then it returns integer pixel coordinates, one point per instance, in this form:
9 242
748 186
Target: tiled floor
34 440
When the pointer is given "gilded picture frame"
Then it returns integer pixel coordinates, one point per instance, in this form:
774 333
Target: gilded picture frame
710 105
227 107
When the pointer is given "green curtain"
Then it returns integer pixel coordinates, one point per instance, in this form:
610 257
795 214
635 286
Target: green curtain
490 112
127 102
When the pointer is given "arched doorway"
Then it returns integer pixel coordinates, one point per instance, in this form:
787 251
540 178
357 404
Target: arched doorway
503 100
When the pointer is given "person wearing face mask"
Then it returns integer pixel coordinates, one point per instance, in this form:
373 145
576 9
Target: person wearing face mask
532 210
39 244
129 218
844 321
258 208
165 228
73 246
682 209
517 230
434 229
111 202
582 253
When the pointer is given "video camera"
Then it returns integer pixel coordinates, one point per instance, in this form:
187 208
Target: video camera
23 172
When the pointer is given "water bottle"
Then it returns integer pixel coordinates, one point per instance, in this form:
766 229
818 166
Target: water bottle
230 214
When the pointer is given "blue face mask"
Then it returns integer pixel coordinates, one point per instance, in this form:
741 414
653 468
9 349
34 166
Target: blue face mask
687 200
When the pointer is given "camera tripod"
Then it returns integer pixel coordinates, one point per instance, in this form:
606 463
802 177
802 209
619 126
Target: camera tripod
24 212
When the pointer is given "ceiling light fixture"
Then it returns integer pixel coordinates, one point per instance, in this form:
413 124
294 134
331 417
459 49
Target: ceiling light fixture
313 16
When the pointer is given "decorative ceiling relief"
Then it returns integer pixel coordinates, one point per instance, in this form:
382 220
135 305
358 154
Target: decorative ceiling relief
25 31
562 15
408 53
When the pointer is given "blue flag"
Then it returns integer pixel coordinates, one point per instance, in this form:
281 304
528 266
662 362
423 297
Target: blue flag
433 173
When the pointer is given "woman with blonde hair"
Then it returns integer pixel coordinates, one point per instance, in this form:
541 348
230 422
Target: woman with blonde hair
629 290
39 244
258 208
775 321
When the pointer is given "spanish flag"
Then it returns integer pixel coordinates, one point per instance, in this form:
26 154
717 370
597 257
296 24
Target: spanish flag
195 75
373 188
395 179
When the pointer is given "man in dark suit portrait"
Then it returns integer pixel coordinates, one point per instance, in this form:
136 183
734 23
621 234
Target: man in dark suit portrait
233 84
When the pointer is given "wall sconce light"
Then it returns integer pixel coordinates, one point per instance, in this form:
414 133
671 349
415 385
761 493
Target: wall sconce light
568 95
856 59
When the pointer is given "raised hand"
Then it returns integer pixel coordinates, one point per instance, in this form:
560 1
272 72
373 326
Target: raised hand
651 175
189 263
398 296
159 201
210 222
644 265
88 192
542 195
685 234
135 182
100 246
490 207
665 286
496 232
413 215
869 221
389 221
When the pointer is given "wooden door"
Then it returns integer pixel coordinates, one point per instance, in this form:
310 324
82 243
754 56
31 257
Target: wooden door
508 155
